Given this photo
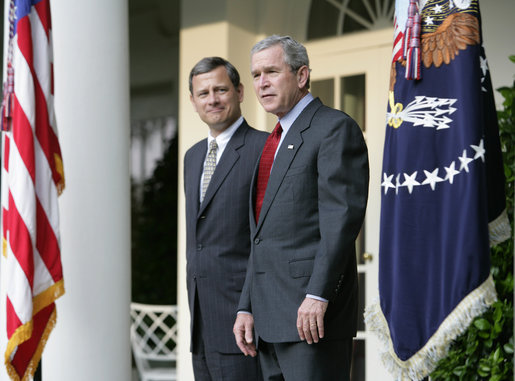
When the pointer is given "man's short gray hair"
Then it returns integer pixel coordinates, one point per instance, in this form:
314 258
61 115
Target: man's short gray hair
295 54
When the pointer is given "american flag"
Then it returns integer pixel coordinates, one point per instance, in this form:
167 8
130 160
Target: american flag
32 179
443 201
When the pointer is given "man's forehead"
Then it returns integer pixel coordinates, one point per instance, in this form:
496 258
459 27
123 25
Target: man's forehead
211 78
271 51
267 59
218 72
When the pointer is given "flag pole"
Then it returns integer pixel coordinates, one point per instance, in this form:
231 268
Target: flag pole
37 375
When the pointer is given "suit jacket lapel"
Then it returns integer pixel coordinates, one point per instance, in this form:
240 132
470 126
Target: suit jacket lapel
252 200
287 151
227 161
197 165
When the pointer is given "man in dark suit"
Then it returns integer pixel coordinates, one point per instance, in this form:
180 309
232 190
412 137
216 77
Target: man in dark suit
301 291
217 185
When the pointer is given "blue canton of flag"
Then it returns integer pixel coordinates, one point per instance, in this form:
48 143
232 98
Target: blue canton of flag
443 201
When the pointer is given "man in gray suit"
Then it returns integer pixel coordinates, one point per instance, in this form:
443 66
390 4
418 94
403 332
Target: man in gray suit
217 175
301 291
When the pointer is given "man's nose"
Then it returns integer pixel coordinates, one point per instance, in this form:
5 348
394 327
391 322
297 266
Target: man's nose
212 97
263 80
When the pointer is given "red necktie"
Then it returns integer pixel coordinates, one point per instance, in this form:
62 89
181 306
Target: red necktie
265 166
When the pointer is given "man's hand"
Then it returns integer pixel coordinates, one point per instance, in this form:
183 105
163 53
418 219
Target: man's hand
243 332
310 320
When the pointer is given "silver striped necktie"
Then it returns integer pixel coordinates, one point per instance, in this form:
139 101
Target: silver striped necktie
209 167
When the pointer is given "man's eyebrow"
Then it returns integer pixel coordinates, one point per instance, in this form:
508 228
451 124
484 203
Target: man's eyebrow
266 68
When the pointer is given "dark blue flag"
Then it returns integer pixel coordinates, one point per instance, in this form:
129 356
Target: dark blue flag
443 201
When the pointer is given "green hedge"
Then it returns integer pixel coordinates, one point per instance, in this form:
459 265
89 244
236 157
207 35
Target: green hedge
154 234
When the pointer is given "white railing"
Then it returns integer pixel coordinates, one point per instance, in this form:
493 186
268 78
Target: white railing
154 340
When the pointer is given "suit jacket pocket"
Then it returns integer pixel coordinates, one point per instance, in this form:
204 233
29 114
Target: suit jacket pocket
301 267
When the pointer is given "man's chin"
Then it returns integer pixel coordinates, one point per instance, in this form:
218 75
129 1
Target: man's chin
215 122
219 127
268 107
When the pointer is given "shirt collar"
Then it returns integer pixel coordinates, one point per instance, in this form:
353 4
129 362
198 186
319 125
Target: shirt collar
223 138
287 120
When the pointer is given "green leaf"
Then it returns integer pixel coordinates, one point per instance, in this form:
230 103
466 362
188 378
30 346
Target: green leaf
497 355
483 371
471 348
508 348
459 371
482 324
498 312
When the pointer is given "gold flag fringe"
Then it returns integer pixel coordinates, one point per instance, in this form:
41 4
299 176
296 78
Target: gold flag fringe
59 168
50 295
24 332
499 229
34 361
422 363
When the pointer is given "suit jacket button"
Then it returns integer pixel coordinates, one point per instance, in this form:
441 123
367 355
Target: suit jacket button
256 241
203 217
199 247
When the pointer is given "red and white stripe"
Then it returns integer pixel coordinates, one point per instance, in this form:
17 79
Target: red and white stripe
32 178
398 44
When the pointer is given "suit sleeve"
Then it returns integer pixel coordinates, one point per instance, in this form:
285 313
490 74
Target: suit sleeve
343 175
184 166
244 303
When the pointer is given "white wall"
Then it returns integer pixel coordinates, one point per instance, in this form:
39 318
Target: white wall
499 33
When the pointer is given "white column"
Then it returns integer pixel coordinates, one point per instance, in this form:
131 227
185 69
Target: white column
91 56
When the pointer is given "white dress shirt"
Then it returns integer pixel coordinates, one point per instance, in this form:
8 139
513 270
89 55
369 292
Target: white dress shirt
221 140
292 115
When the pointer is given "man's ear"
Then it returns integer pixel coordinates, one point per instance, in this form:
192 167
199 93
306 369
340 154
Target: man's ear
302 76
193 103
